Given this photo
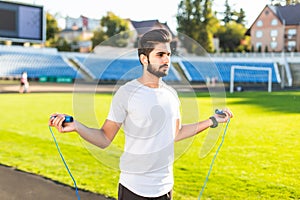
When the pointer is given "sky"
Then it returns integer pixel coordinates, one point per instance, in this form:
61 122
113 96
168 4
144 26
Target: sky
137 10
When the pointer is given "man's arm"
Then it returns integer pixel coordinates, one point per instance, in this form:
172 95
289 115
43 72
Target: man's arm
189 130
100 137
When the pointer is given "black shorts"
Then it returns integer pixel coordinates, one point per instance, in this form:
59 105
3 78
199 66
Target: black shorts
126 194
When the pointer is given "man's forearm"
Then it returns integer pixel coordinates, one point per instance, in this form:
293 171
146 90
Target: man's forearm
94 136
189 130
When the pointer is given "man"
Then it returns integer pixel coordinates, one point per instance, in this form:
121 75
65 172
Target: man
24 84
149 111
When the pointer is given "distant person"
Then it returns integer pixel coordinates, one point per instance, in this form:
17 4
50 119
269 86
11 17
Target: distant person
149 111
24 84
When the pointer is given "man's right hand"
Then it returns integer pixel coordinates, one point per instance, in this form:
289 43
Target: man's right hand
58 121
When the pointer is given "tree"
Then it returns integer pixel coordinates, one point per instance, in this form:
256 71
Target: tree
228 13
62 45
240 16
231 35
284 2
114 31
195 19
52 27
99 36
52 39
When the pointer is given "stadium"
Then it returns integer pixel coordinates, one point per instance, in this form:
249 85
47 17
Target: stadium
260 157
50 66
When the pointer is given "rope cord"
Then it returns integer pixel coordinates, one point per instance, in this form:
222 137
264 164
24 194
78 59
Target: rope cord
202 189
63 159
213 160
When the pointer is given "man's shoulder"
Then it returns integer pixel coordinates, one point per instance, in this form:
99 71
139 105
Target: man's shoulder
169 88
127 87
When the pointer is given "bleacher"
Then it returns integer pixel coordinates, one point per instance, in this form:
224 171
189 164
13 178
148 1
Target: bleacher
37 65
200 71
52 64
117 69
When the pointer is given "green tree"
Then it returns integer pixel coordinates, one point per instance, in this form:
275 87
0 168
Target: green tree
99 37
52 39
227 13
240 16
211 24
231 36
62 45
51 27
196 19
114 31
284 2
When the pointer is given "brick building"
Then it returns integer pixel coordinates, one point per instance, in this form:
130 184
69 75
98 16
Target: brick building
276 28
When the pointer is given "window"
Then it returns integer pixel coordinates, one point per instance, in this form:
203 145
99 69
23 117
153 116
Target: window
291 33
274 33
259 34
274 22
273 45
291 45
258 45
259 23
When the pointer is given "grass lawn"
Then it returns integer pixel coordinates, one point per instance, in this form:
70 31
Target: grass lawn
259 159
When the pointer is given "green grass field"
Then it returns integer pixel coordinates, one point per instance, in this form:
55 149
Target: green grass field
260 158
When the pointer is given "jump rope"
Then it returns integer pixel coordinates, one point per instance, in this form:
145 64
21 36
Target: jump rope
70 119
67 119
213 160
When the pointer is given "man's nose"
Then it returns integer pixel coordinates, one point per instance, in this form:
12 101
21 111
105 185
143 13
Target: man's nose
166 59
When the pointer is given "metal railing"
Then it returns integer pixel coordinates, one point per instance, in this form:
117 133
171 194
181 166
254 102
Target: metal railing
257 55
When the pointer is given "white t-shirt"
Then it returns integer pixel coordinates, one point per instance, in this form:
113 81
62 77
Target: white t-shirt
149 118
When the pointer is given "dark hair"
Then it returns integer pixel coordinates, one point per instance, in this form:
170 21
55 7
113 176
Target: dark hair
151 38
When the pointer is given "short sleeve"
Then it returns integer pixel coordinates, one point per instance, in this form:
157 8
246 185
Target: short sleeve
118 111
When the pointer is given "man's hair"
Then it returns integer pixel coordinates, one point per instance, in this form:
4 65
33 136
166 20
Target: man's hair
151 38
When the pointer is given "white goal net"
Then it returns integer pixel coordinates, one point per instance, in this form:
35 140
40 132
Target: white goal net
250 74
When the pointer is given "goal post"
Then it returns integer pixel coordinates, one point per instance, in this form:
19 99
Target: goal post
235 67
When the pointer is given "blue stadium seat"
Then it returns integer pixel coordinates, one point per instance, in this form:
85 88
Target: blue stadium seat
36 65
199 71
114 69
13 63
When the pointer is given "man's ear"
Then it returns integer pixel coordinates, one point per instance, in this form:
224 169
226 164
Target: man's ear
144 59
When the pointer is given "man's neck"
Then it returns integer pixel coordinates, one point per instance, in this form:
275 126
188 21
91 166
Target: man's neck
150 80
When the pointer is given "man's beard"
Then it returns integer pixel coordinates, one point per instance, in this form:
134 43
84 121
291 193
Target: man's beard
157 72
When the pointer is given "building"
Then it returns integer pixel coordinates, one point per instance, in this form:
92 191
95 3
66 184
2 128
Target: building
81 28
142 27
82 22
276 29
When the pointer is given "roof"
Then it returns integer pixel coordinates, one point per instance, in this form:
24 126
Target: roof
289 14
145 26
